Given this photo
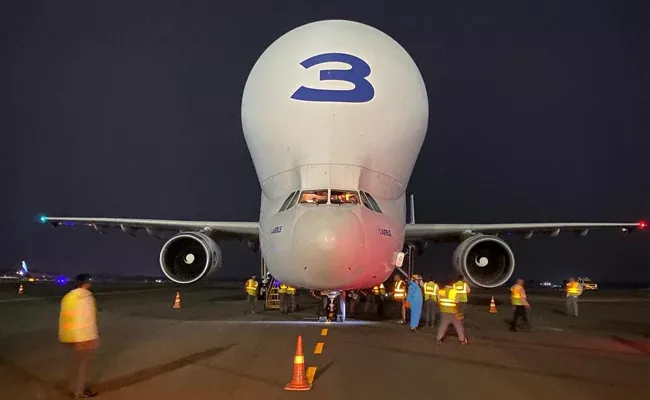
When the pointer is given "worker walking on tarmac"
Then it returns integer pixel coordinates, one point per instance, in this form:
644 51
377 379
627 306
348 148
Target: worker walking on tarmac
430 300
251 295
463 290
573 291
399 294
282 294
291 298
78 329
449 314
520 303
414 297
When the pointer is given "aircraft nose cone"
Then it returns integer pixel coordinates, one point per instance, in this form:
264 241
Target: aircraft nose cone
328 244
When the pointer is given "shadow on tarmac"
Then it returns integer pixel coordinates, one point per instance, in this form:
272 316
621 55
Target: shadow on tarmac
492 366
152 372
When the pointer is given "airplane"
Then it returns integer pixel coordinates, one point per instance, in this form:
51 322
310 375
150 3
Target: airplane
334 114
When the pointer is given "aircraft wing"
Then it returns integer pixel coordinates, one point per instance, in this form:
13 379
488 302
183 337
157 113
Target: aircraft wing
225 230
455 232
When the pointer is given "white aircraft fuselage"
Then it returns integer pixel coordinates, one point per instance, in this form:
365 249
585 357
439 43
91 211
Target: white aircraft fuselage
334 114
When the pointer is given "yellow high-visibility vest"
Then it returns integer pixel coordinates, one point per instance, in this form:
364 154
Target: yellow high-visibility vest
516 295
251 287
400 291
379 290
283 288
573 289
447 301
291 290
430 290
78 317
462 288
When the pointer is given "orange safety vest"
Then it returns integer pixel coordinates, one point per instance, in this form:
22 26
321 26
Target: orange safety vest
283 288
447 301
517 295
291 290
400 291
251 287
430 290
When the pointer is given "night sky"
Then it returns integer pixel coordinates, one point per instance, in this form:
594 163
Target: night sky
538 113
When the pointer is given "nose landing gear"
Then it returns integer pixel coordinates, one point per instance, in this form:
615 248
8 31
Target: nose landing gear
335 313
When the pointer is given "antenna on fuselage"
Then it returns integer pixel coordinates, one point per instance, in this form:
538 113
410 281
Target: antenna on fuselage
412 208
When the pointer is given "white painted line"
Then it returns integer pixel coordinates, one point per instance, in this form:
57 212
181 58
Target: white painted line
96 295
548 328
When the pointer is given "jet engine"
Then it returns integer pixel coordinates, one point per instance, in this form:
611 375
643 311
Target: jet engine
190 256
485 261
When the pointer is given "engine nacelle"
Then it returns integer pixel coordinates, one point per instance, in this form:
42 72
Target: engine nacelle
485 261
190 256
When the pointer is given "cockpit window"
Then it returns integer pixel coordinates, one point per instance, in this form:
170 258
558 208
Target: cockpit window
286 202
344 197
374 203
314 196
294 200
365 202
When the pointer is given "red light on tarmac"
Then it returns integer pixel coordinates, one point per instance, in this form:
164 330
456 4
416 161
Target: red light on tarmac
643 224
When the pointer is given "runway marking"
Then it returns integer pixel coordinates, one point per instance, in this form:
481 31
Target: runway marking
548 328
323 332
319 348
96 295
311 373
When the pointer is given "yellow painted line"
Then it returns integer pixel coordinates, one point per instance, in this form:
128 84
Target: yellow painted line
323 332
319 348
311 373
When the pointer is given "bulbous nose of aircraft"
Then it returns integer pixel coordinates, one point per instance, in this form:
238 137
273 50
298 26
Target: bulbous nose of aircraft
329 244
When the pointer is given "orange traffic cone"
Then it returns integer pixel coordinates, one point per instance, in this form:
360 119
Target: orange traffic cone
299 379
493 307
177 301
20 289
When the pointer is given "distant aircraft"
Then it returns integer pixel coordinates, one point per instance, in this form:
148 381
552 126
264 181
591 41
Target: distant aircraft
334 114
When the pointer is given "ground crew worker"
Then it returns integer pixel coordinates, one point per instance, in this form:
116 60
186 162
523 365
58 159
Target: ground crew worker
282 294
78 329
251 294
266 286
462 288
322 302
573 291
353 299
399 294
430 300
449 315
414 297
376 300
291 298
520 302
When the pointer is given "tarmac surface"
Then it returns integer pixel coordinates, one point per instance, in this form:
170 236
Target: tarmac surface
208 349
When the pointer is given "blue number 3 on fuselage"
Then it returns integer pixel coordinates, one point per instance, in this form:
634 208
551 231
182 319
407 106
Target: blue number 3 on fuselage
359 70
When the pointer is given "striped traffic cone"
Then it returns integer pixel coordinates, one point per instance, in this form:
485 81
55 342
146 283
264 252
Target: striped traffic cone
177 301
299 379
493 307
20 289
